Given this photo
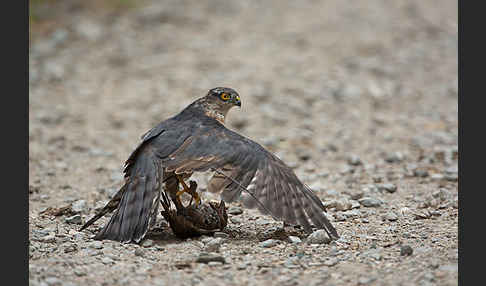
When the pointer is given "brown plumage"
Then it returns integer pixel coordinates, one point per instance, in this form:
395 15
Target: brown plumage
194 220
196 140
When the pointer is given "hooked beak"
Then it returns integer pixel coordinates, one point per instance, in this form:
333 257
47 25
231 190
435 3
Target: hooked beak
237 101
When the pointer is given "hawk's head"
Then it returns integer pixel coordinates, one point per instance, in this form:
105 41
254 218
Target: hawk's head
219 101
225 96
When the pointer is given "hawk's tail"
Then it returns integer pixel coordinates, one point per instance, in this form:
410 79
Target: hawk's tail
138 200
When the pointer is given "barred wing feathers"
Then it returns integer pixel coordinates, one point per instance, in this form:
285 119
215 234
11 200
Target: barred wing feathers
276 187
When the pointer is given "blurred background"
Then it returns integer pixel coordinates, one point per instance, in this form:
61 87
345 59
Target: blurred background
318 79
316 71
346 92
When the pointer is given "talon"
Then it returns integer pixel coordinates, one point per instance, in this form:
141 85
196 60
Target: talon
190 190
197 198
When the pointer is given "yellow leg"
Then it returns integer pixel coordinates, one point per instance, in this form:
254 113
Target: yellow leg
186 189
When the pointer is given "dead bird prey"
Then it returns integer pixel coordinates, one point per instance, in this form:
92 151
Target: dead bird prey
196 140
196 219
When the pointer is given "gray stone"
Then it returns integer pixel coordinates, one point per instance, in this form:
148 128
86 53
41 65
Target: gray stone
339 217
139 252
396 157
369 202
391 188
235 210
269 243
215 263
318 237
221 234
343 205
213 245
351 213
107 260
355 204
75 219
294 239
356 195
354 160
235 220
147 243
437 177
242 266
422 173
96 245
406 250
79 272
209 257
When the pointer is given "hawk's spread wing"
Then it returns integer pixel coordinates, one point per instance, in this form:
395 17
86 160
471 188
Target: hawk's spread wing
272 182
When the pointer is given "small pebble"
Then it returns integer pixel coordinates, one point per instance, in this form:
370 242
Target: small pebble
213 245
351 213
406 250
269 243
339 217
221 234
96 245
355 204
422 173
79 272
343 205
235 211
75 219
437 177
215 263
147 243
106 260
354 160
294 239
391 188
369 202
356 195
139 252
394 157
318 237
209 257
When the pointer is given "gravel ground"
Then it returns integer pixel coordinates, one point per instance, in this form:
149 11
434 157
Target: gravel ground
360 98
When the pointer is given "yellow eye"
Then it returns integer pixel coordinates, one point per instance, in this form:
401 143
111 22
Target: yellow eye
225 96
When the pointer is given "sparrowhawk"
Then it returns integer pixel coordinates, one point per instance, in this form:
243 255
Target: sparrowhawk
196 140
